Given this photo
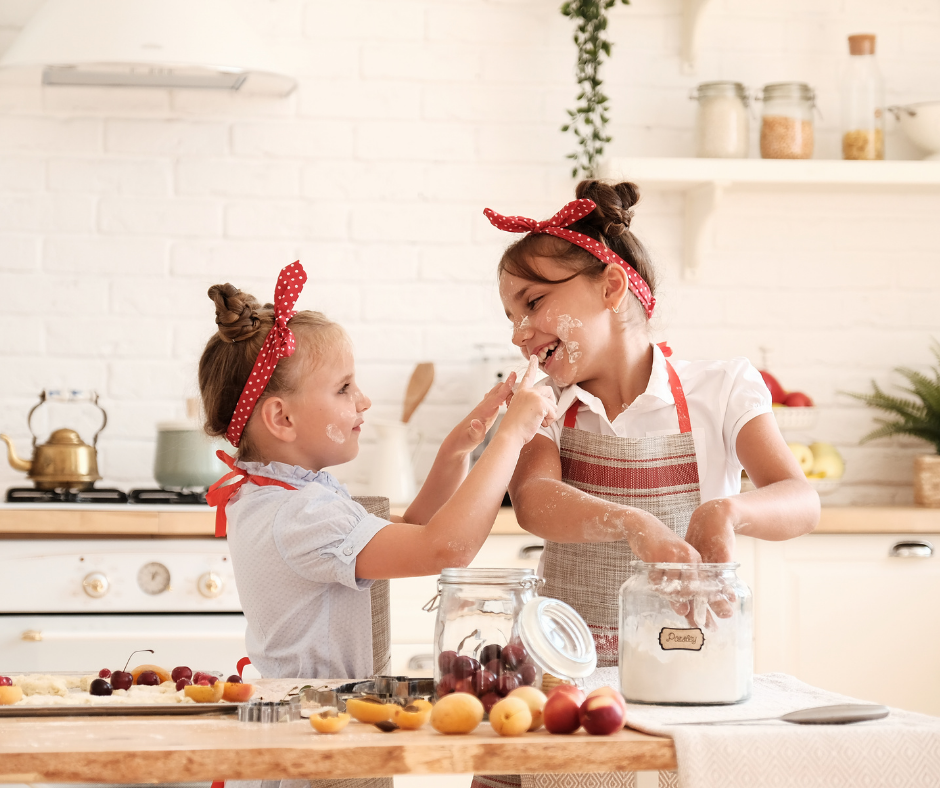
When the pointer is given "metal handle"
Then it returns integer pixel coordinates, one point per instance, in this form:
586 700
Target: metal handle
31 636
914 548
421 662
68 396
527 550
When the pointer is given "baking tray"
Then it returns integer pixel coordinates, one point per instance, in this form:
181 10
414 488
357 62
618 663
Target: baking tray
122 710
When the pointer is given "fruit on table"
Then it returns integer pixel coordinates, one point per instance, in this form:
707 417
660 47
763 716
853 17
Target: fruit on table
827 462
369 710
200 676
121 679
104 673
162 674
329 721
602 712
236 691
234 679
458 712
511 717
149 678
797 399
777 392
535 699
6 681
412 716
562 711
8 693
100 687
182 683
181 672
803 454
204 693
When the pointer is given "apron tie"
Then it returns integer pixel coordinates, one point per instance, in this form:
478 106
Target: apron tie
219 493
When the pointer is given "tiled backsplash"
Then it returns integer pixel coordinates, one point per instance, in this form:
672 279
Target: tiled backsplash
119 207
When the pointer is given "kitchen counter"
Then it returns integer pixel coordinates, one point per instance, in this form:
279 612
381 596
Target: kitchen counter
176 521
179 749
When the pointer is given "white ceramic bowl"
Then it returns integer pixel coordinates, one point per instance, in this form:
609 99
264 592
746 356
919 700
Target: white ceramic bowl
921 124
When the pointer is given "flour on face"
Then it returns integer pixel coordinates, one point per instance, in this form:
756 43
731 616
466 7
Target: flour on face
334 434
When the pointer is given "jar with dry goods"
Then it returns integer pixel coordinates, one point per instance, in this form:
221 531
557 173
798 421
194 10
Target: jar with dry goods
686 635
494 633
786 129
863 102
721 127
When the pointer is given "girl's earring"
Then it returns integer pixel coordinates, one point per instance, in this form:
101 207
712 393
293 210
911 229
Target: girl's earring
615 310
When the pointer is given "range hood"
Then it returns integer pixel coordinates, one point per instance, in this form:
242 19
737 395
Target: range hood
146 43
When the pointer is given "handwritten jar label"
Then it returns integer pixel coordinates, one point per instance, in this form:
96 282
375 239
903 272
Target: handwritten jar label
688 639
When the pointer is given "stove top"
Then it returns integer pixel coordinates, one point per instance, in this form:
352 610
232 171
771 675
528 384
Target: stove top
155 497
166 496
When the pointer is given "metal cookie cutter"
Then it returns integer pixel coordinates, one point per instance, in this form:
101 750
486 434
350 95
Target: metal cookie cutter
388 689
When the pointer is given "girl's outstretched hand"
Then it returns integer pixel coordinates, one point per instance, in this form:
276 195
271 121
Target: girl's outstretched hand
530 407
470 432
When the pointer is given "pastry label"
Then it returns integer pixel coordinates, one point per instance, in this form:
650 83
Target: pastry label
686 639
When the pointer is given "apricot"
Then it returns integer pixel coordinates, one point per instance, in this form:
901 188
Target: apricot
458 712
162 673
536 700
369 711
10 695
236 693
511 717
329 721
205 693
413 716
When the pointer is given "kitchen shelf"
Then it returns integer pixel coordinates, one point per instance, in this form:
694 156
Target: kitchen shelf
704 181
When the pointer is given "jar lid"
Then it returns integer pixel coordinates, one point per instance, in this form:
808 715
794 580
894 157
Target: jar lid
496 576
720 88
862 44
557 638
788 90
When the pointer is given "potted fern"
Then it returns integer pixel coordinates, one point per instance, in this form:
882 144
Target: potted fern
918 417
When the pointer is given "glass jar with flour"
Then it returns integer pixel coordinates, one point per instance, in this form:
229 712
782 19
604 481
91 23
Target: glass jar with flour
686 635
722 126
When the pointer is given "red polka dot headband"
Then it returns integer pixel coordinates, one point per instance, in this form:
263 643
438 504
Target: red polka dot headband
577 209
278 344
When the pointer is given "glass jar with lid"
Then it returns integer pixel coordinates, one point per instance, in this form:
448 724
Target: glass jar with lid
786 129
494 633
686 635
721 125
863 102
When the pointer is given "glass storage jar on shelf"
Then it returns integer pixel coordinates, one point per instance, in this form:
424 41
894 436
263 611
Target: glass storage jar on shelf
686 635
786 128
863 102
494 634
721 125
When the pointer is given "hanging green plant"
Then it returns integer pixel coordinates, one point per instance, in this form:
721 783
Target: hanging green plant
588 121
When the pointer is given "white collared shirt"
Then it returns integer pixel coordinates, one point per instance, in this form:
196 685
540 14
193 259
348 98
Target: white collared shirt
722 397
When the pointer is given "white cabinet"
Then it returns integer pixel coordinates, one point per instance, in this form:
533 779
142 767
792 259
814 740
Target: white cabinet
852 613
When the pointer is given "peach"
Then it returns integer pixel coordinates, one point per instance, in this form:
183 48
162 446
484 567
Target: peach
162 673
612 693
413 716
535 700
458 712
205 693
562 711
511 717
10 695
329 721
369 711
236 693
601 715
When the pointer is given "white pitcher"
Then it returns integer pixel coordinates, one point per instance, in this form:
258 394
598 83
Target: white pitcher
393 474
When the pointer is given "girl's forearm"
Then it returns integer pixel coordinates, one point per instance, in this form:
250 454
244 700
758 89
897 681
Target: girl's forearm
446 475
779 511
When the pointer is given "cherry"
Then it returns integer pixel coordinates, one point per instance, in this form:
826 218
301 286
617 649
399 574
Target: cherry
182 683
6 681
463 667
507 683
514 655
199 676
446 661
495 666
121 679
148 679
104 673
464 685
234 679
446 685
484 681
182 672
203 683
489 700
527 673
99 687
490 652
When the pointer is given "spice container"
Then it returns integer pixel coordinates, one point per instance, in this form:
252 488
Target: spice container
786 129
494 633
863 101
721 126
686 635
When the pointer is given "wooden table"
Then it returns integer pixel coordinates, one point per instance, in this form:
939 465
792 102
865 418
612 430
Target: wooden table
180 749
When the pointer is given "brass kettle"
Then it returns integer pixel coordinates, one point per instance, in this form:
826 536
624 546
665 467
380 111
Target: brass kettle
64 461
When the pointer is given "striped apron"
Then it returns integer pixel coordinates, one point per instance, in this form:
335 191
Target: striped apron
658 474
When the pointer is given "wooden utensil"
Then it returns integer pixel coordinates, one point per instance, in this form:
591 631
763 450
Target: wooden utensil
421 380
839 714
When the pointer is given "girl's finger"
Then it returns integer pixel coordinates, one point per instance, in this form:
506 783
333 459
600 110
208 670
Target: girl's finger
529 377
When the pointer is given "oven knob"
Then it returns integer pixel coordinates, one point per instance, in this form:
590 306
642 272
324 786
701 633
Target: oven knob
96 585
209 585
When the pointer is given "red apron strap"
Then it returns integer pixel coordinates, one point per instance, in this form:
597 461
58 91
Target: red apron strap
219 493
571 415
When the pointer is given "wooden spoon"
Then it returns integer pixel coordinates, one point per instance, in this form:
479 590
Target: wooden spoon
421 380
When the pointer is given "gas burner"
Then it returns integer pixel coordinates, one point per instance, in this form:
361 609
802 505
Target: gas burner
166 497
94 495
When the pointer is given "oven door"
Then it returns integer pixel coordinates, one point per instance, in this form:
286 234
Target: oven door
87 643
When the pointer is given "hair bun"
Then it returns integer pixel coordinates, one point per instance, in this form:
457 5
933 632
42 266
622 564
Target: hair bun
236 313
614 210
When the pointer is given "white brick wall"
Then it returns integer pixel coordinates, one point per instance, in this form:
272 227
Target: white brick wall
118 208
